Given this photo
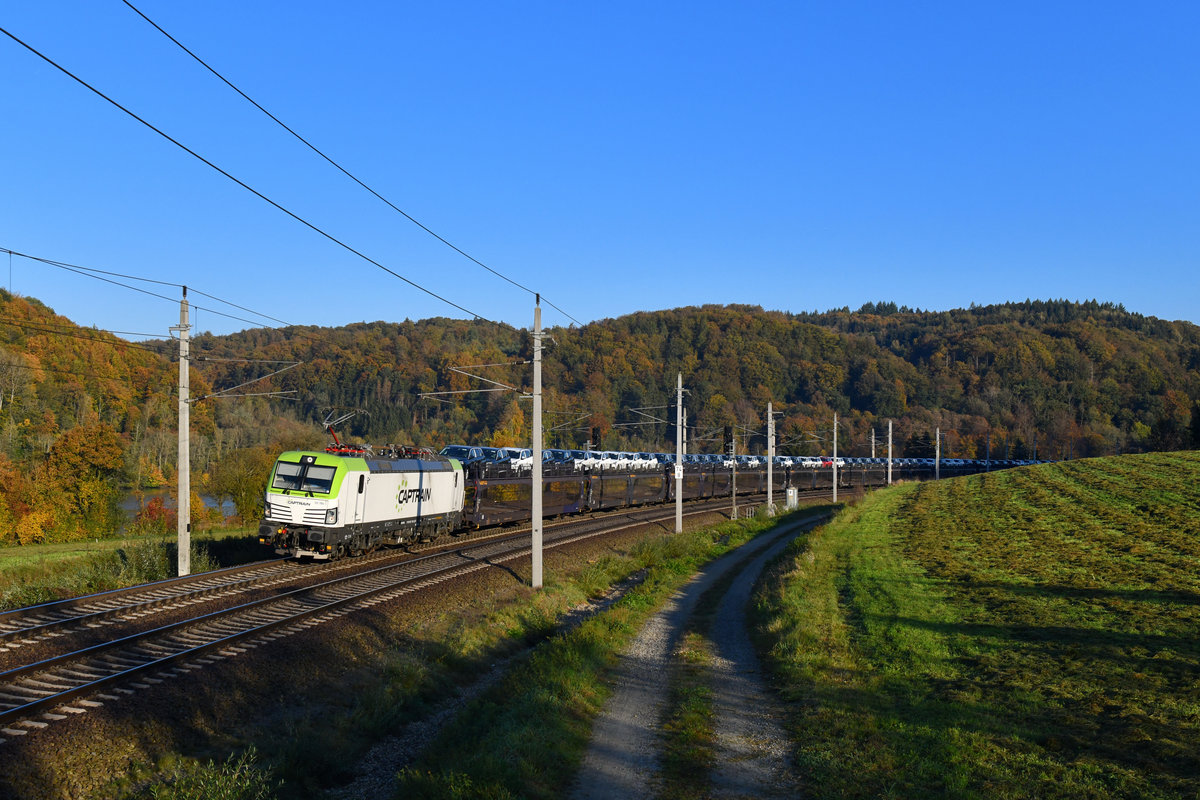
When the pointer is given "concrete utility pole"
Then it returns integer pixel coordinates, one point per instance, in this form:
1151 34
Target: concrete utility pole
770 461
835 458
537 444
889 452
679 453
872 443
183 507
937 454
733 481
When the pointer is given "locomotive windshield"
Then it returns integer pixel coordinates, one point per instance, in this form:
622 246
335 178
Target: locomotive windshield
303 477
318 479
287 475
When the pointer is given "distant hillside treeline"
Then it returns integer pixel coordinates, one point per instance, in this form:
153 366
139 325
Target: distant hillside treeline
1081 378
1074 379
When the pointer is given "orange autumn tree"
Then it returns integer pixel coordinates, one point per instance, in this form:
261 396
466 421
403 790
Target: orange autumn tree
85 464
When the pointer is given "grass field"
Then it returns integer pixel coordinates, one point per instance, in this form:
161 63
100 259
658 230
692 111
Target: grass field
1024 633
43 572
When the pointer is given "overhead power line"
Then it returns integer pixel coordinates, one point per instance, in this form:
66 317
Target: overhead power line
342 169
42 328
59 371
239 182
94 273
74 327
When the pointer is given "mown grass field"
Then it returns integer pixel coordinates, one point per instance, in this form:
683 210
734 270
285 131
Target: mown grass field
1029 633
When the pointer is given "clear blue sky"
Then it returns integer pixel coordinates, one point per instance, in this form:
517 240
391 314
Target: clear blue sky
617 156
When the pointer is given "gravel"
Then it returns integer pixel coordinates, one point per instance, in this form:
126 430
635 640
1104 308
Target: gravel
623 758
752 748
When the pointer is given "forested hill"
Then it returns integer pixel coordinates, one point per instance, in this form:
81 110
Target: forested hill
83 412
1083 378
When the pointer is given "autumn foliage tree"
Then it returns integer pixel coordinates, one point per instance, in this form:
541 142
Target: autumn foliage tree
82 418
241 476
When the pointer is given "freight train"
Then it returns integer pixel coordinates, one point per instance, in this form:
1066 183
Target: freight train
347 501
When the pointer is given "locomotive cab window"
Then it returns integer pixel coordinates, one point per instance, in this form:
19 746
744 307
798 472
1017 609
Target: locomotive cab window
309 477
287 475
318 479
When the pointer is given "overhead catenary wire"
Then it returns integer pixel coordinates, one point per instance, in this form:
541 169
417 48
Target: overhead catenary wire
239 182
220 394
78 374
281 395
244 360
77 327
176 284
92 272
342 169
95 273
75 331
41 328
290 365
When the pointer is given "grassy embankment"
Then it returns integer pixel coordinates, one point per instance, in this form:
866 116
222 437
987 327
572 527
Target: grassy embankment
39 573
521 738
527 735
1026 633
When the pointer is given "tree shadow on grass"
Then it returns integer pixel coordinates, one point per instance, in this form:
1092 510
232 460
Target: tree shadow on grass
1088 710
1098 642
909 738
1050 590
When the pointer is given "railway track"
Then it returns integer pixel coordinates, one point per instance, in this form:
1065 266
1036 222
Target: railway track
65 620
34 695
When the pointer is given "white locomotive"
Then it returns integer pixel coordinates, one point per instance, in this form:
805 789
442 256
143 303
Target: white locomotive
348 502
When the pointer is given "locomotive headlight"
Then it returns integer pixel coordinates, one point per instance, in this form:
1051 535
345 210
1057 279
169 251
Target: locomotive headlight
331 516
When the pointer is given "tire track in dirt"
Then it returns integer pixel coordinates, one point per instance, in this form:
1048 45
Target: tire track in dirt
622 760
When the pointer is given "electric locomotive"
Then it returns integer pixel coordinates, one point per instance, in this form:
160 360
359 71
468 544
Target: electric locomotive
348 501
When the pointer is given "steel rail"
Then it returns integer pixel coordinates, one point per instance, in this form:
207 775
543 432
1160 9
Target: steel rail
57 681
85 603
34 624
37 623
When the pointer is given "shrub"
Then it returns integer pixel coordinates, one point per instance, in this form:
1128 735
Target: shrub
236 779
154 519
